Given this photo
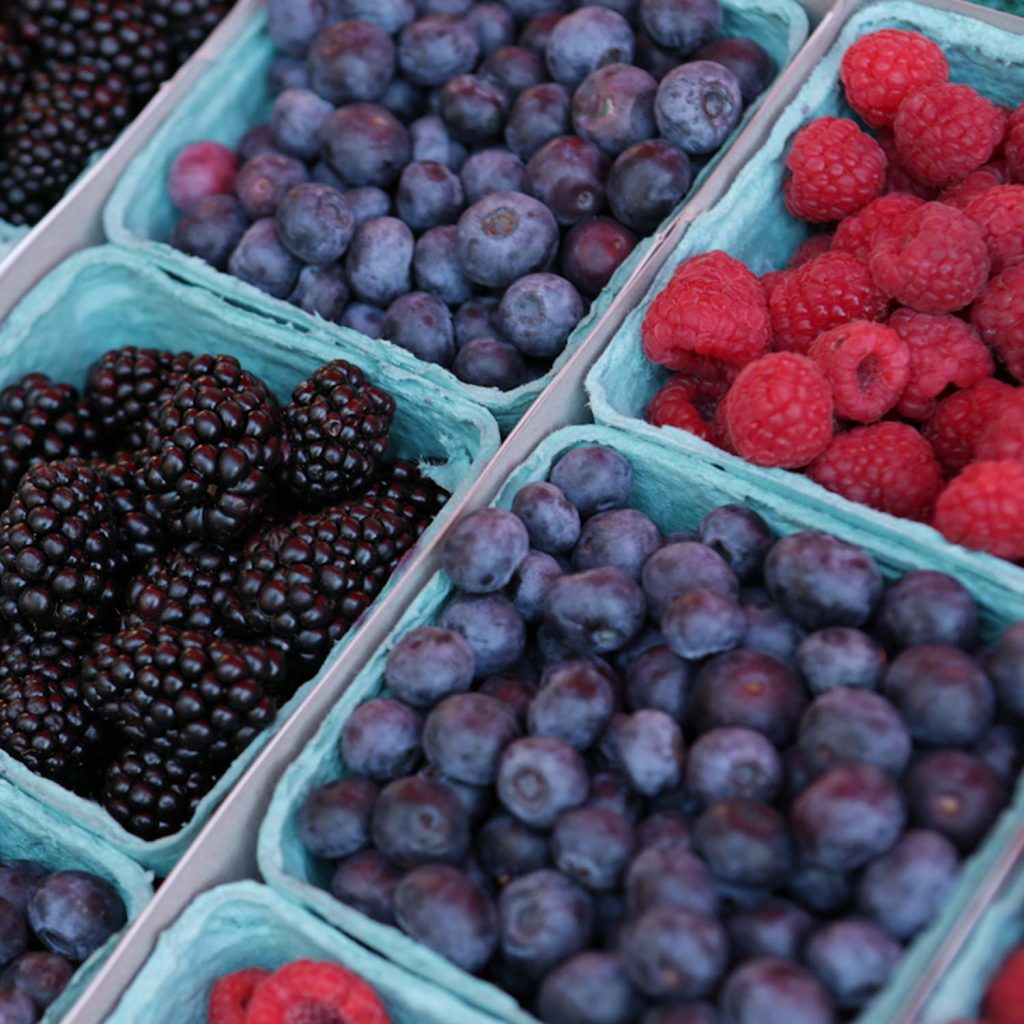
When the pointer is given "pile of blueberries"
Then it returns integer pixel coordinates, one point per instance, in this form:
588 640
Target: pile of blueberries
463 178
629 775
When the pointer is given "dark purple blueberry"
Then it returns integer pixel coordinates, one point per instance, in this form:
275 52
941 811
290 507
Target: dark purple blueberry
597 611
513 69
475 318
16 1007
258 139
944 697
419 821
668 874
551 520
405 101
654 59
647 182
379 260
322 291
746 59
840 656
819 890
292 24
73 913
681 1013
733 763
593 478
436 266
335 819
853 958
391 15
698 105
673 953
507 848
490 362
586 40
492 627
13 933
494 26
505 236
515 692
465 735
287 73
593 250
524 10
1000 749
428 194
744 842
928 608
610 791
211 229
473 109
531 584
593 845
768 628
658 679
575 703
778 928
367 203
460 7
315 223
545 918
623 538
614 107
19 879
261 259
539 312
477 801
322 174
367 882
297 119
263 181
682 25
665 827
40 976
1004 663
740 536
536 32
703 622
429 664
436 48
568 175
851 815
364 318
449 913
591 988
381 740
351 61
366 144
820 580
770 988
432 141
649 750
484 549
541 777
539 115
492 170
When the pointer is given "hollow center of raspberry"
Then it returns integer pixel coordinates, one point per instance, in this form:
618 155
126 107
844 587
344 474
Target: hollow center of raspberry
869 370
308 1011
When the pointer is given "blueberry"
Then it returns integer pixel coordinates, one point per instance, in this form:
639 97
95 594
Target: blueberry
656 60
668 874
211 229
770 988
597 611
461 7
257 140
494 26
649 750
681 1013
405 101
673 953
16 1007
322 291
610 791
647 182
614 107
13 933
568 175
700 623
484 550
18 880
593 250
623 538
853 958
432 141
840 656
539 312
594 479
928 608
746 59
535 33
945 698
391 15
768 629
848 817
679 568
524 10
351 61
73 913
740 536
697 106
379 260
429 664
287 73
538 115
366 144
1000 749
1004 663
428 195
436 266
514 692
419 821
381 739
820 580
507 848
40 976
465 735
364 318
575 704
586 40
513 69
297 119
449 913
592 845
819 890
744 842
367 203
659 680
315 223
437 47
505 236
335 819
367 882
292 24
551 520
682 25
493 629
490 362
422 324
261 259
473 109
733 763
750 689
531 584
539 778
545 918
492 170
778 928
476 800
591 988
264 180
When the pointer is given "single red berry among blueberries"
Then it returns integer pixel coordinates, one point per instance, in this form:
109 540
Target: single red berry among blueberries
982 508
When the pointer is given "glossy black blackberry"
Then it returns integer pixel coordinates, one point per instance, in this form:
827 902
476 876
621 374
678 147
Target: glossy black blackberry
41 421
136 511
126 386
62 563
215 452
336 427
420 497
14 65
186 23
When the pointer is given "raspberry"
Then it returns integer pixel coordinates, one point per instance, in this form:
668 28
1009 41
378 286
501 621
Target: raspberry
944 352
1015 145
773 278
886 216
999 213
897 177
1004 1001
945 131
887 466
983 507
959 420
778 411
836 169
938 263
867 364
673 406
231 995
1002 437
809 249
713 306
831 290
999 317
297 991
975 184
881 70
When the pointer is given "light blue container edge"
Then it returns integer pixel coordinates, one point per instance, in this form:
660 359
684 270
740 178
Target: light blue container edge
465 431
662 483
781 27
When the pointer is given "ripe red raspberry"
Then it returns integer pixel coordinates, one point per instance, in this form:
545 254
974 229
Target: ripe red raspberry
976 183
999 213
945 131
1002 437
778 411
886 216
888 466
999 317
897 177
689 403
703 368
983 508
831 290
944 352
957 423
323 991
773 278
230 996
809 249
713 306
938 263
1015 145
836 169
881 70
1004 1001
867 364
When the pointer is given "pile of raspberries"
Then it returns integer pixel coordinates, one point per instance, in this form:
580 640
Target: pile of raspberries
885 361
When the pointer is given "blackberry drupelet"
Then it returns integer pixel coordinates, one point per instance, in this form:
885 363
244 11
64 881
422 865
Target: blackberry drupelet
419 497
61 559
336 428
186 23
14 65
136 512
215 452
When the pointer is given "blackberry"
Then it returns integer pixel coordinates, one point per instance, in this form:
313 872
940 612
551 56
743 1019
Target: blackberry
420 497
136 511
336 427
14 66
126 386
215 451
186 23
41 421
61 559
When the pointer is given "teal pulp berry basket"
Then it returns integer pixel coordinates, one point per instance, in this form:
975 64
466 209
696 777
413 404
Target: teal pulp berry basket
750 222
106 297
246 925
233 95
28 831
676 492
